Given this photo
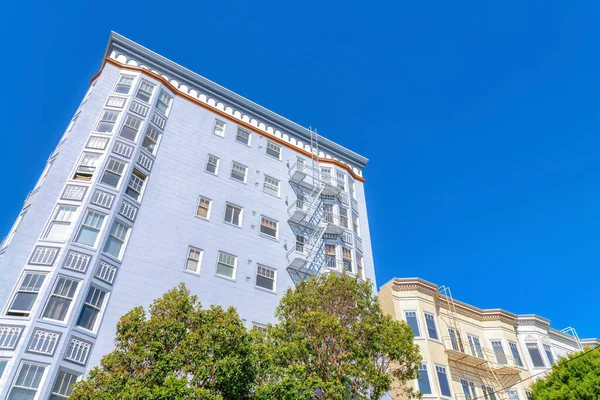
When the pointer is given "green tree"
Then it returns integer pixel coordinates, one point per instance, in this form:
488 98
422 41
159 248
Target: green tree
333 342
181 351
576 377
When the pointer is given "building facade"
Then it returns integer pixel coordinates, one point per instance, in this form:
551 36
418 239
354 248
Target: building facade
470 353
164 177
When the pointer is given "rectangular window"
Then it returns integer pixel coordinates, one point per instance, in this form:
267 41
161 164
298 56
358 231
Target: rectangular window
347 259
488 392
86 167
431 328
107 121
274 150
43 342
340 178
204 207
89 317
61 298
265 277
352 189
271 186
3 362
113 172
115 243
194 259
361 268
76 261
499 350
74 192
455 340
243 136
343 217
443 381
90 228
233 214
63 386
238 172
355 224
548 351
262 328
226 265
330 256
512 394
475 346
164 102
27 381
135 187
60 224
328 212
124 84
145 91
534 353
468 389
326 175
131 127
97 142
102 199
423 380
219 128
411 320
515 353
269 227
150 142
212 164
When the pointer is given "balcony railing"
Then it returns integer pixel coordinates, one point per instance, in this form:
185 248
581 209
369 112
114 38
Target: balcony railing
473 354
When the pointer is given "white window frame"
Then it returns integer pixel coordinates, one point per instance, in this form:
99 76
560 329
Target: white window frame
269 220
241 214
27 289
475 351
273 188
234 266
448 379
263 271
435 325
236 166
244 132
208 162
123 241
166 103
275 148
198 261
126 81
347 261
153 134
33 389
136 185
133 124
71 215
416 312
118 172
205 200
107 118
59 390
84 225
431 385
217 129
98 308
147 90
86 166
59 296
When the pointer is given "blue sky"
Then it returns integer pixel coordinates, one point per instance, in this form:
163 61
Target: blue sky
480 119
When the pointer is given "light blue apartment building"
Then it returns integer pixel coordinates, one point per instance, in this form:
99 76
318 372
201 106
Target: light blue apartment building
164 177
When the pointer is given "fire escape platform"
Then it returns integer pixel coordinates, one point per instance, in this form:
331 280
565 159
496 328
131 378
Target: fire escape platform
466 359
506 370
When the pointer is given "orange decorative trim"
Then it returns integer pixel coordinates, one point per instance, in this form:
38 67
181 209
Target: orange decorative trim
224 115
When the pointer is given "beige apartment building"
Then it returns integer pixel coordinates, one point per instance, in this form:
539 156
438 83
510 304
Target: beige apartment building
468 353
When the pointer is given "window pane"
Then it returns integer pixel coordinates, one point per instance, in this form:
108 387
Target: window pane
87 236
443 380
225 270
411 320
431 329
87 318
515 352
423 381
113 247
23 301
548 351
499 350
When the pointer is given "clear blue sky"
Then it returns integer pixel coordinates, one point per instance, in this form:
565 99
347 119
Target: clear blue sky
481 121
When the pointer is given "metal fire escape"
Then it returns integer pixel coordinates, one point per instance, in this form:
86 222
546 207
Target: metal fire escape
480 360
307 217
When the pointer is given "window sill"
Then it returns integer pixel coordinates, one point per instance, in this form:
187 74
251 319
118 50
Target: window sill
231 224
237 180
245 144
217 135
273 157
225 277
262 289
271 194
111 257
84 331
203 218
212 173
185 271
54 322
15 317
264 235
83 246
54 241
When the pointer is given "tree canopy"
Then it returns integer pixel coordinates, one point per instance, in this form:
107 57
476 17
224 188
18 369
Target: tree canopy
576 377
332 342
180 351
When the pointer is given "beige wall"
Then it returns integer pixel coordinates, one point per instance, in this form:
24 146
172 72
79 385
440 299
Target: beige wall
414 295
